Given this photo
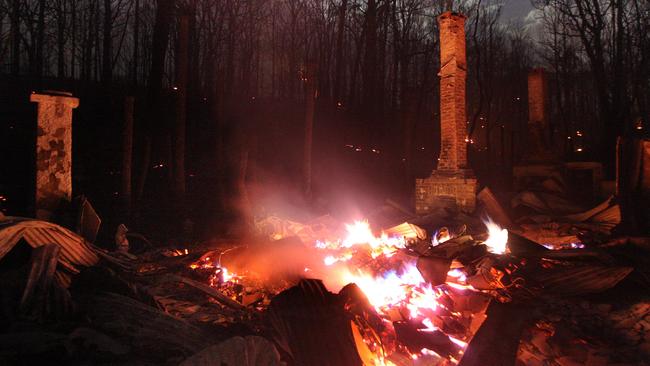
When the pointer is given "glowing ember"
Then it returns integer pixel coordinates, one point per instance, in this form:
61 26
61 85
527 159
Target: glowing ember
497 238
564 246
175 252
219 274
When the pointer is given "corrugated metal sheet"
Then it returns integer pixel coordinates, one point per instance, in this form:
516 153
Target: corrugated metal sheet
74 250
580 280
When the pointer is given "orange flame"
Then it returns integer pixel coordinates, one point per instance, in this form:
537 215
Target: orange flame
497 241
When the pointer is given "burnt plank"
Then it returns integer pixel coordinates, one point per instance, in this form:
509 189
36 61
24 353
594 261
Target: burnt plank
497 340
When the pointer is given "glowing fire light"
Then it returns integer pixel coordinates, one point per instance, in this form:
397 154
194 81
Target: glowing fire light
388 290
497 238
330 259
400 291
457 274
227 276
440 237
360 233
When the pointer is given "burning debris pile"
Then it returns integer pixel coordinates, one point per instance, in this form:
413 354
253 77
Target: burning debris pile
410 299
350 294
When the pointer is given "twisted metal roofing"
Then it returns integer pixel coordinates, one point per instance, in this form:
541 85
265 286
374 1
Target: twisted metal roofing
75 252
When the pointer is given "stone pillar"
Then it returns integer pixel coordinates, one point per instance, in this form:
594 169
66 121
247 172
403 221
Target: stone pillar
53 151
452 184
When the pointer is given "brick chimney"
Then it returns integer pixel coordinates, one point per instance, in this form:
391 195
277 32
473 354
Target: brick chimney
452 184
537 96
453 75
538 144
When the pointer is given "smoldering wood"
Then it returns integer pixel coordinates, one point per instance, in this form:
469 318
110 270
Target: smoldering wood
209 291
497 340
113 259
434 269
416 340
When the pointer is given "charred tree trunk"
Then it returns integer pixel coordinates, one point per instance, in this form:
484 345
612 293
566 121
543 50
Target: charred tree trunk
107 52
40 42
230 59
73 48
310 100
164 13
244 204
15 37
181 113
409 108
60 39
340 39
127 153
97 61
136 44
370 61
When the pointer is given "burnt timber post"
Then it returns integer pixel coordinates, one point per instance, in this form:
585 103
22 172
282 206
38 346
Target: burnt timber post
453 183
53 151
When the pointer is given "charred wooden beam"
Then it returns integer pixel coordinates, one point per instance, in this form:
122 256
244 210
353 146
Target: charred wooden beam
223 299
497 340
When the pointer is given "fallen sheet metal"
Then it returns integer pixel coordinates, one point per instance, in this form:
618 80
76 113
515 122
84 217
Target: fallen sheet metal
75 253
578 280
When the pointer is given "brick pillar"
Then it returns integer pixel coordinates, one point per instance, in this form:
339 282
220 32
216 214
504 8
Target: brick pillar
538 145
453 75
53 151
539 160
537 96
452 184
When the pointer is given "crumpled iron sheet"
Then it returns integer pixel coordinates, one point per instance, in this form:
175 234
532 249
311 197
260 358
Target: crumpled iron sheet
74 250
